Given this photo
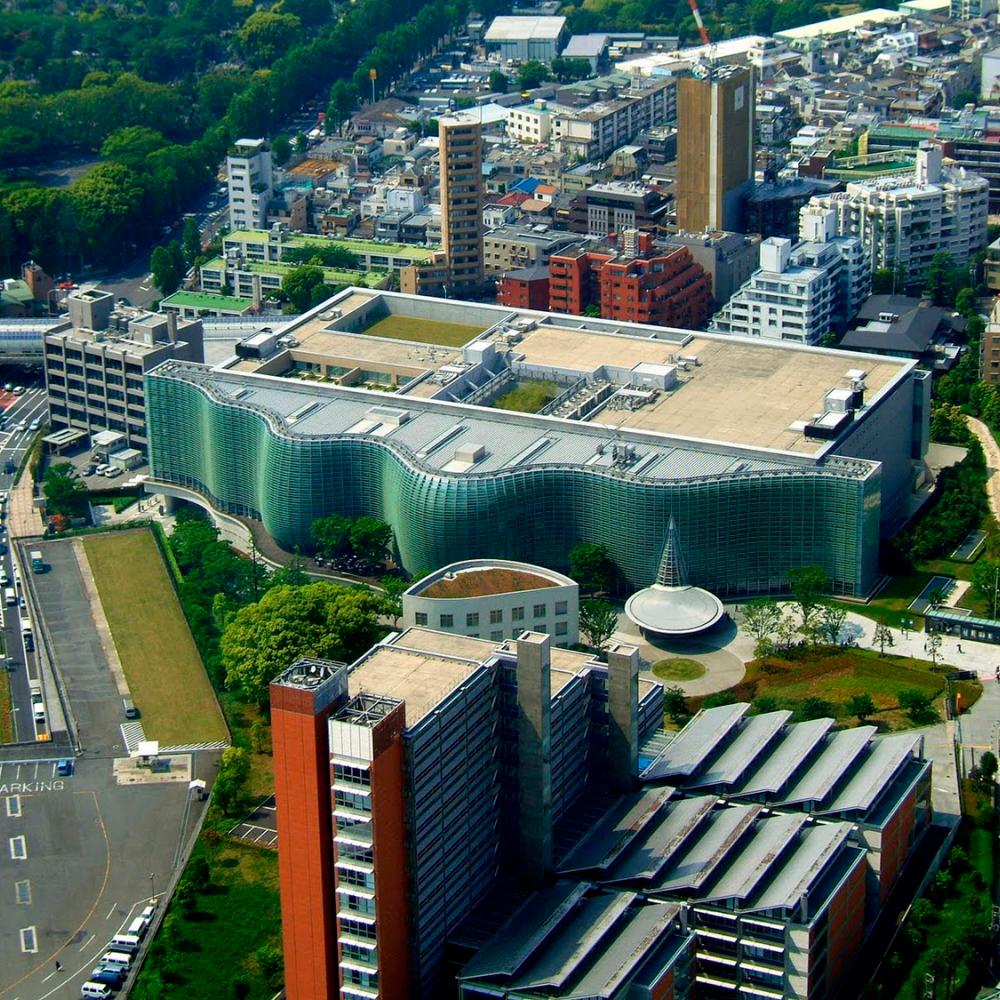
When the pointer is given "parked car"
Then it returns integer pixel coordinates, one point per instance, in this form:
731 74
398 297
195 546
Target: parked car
64 768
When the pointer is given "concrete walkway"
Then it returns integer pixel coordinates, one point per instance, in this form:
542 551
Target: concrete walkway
992 453
24 519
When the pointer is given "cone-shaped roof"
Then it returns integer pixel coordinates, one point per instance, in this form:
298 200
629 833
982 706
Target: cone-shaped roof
673 571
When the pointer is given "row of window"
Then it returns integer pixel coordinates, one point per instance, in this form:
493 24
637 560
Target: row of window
496 615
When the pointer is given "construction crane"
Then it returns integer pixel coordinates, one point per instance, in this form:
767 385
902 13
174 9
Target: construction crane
697 20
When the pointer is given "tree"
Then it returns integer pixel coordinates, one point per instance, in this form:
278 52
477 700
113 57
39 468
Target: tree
786 632
231 779
861 706
191 241
598 622
133 145
266 35
814 708
567 70
988 765
370 539
591 566
765 704
889 280
808 585
281 149
883 637
165 274
917 706
392 597
343 100
301 143
831 624
760 621
304 287
934 646
531 74
986 581
675 703
941 280
965 302
332 535
318 620
186 897
64 493
499 82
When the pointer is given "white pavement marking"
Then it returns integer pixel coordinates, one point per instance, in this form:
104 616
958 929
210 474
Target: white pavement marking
114 906
22 891
13 806
85 943
29 940
18 848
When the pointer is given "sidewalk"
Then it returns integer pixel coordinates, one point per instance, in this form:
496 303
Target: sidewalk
24 520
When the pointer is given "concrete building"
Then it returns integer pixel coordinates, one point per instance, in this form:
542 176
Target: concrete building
496 600
727 258
800 292
519 39
96 363
715 146
908 218
452 759
530 123
613 207
248 172
525 288
989 365
461 156
637 436
969 10
508 248
637 284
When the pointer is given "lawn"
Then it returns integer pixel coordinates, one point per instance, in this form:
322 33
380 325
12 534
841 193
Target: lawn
422 331
679 668
235 921
165 674
528 397
6 725
835 676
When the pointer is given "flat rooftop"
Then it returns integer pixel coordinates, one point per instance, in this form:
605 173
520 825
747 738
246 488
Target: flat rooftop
766 390
377 247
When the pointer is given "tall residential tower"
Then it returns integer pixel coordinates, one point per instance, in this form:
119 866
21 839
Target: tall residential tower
461 156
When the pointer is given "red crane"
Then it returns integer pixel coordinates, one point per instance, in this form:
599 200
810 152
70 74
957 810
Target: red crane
697 20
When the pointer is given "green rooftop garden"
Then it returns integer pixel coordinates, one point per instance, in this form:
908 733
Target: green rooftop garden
206 300
313 239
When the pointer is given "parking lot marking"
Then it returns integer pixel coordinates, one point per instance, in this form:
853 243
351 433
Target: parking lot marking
114 906
18 848
13 806
29 940
22 891
85 943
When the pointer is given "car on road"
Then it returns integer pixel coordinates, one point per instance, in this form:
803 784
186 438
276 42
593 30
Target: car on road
112 472
19 390
148 911
35 424
64 768
89 470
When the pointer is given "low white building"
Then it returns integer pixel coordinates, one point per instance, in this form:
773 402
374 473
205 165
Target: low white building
495 599
800 292
530 123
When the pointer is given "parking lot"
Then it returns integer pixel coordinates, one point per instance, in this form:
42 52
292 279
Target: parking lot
81 854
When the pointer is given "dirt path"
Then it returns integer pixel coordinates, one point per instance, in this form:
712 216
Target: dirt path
992 452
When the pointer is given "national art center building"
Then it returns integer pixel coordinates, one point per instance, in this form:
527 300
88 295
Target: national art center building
768 456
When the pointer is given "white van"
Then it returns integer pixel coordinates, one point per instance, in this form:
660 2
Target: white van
138 927
117 958
99 991
9 597
127 943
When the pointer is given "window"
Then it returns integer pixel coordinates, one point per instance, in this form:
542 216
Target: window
472 619
346 774
539 611
561 628
560 607
517 614
420 618
496 617
447 621
497 636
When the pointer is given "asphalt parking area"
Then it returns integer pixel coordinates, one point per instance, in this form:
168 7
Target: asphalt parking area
260 826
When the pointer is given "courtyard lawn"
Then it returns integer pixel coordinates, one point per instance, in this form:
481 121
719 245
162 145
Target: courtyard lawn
232 933
834 676
6 725
679 668
423 331
528 397
165 675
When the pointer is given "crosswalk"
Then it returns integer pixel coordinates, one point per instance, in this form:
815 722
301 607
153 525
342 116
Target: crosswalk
133 734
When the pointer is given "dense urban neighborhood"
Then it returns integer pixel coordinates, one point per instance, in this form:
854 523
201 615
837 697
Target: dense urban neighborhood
499 500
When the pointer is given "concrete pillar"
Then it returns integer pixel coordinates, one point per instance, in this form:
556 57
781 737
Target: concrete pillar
534 751
623 712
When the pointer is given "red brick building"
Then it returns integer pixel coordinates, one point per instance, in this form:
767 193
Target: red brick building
525 288
638 285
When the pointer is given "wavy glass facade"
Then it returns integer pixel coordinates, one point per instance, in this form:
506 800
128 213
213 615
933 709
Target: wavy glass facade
743 531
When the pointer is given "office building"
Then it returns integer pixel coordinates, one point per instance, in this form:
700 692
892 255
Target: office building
715 144
95 364
904 220
638 284
801 292
828 440
525 288
496 600
461 156
610 208
248 171
969 10
452 761
508 248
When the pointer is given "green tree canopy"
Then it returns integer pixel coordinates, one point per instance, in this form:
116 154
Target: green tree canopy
281 149
64 493
304 287
332 535
132 145
319 619
266 35
166 275
591 566
370 539
808 584
598 623
532 74
499 82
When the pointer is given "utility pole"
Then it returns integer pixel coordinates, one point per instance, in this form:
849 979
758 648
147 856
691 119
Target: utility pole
373 76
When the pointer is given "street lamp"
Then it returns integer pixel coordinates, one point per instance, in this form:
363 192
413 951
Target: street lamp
152 886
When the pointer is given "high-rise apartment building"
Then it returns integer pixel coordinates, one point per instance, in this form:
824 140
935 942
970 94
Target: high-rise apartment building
248 169
461 156
409 781
905 219
715 141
